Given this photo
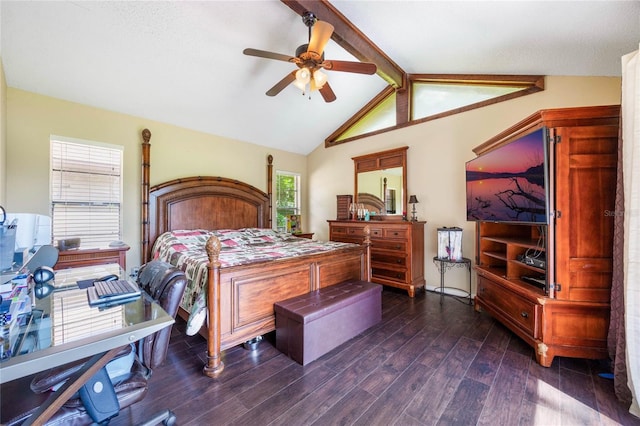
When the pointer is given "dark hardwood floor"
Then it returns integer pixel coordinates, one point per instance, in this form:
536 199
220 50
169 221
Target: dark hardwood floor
423 364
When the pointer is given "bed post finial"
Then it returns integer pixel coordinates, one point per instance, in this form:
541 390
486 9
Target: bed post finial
269 188
146 135
146 147
214 365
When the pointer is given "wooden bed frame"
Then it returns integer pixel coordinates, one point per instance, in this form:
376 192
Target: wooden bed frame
239 299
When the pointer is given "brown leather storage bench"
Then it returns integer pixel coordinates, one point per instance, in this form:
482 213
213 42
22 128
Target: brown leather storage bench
310 325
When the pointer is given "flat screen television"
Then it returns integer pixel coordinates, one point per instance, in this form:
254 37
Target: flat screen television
510 183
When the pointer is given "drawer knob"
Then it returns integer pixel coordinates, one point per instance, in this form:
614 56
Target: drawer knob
524 315
395 233
398 247
398 261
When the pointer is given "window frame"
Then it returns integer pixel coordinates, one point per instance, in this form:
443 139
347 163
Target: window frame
404 100
89 237
297 209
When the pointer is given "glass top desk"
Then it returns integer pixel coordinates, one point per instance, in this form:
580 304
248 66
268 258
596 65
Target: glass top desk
62 327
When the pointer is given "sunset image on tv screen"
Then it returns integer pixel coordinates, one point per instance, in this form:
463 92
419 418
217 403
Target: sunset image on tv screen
508 183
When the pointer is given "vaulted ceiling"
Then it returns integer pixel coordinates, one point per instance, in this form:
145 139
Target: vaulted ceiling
182 62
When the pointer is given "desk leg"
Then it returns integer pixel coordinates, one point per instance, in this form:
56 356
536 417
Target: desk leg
75 382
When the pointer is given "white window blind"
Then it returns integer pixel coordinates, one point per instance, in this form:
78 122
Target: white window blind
86 192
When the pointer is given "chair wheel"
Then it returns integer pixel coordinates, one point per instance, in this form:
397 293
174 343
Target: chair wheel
171 419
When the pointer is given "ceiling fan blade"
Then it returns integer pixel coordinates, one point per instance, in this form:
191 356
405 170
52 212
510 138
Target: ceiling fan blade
348 66
288 79
320 36
268 55
327 93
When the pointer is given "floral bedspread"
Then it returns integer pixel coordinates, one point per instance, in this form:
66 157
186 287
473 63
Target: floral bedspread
185 249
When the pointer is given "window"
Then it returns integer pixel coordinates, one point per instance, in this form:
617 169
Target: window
432 96
287 197
86 191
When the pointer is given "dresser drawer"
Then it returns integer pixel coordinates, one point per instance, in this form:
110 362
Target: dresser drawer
346 239
399 260
396 233
390 274
518 310
376 233
400 246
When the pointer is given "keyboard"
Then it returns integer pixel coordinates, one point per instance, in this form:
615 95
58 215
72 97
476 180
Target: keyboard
103 293
114 288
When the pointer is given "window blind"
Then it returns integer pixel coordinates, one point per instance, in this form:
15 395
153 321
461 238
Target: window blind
86 192
72 318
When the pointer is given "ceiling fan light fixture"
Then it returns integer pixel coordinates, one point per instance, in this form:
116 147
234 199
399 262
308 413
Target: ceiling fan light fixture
319 78
303 75
300 85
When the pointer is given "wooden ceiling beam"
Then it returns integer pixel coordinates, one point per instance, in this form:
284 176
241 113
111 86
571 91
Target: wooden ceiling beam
350 38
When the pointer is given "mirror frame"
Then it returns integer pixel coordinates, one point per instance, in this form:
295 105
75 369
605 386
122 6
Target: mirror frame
380 161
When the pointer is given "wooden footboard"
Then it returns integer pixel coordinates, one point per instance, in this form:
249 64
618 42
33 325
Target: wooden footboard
240 299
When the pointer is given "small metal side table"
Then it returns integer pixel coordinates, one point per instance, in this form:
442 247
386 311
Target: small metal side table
443 266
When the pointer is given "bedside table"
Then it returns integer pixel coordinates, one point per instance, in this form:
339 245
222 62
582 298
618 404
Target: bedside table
95 256
307 235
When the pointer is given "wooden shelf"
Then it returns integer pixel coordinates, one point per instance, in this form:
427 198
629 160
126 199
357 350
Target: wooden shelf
496 255
520 242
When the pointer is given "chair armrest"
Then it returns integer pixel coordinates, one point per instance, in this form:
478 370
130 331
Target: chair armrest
52 378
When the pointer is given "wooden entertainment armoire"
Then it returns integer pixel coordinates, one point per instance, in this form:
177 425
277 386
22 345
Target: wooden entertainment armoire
569 317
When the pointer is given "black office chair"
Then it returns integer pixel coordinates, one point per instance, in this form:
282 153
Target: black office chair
165 284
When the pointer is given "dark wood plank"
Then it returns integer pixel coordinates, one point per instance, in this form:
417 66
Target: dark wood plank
484 367
423 364
386 408
577 393
504 402
348 409
466 405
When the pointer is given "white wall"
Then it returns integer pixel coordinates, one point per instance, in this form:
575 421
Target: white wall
436 158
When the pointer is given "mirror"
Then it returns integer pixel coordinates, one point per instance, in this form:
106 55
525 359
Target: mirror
381 182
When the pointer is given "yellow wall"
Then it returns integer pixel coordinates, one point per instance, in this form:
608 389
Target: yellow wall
3 134
175 152
437 154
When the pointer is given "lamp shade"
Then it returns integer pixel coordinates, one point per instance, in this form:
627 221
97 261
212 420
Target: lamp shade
303 75
413 199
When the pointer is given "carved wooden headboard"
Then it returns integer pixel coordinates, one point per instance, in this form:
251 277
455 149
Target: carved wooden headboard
200 202
372 203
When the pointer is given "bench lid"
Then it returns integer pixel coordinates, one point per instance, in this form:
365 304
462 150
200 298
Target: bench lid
317 304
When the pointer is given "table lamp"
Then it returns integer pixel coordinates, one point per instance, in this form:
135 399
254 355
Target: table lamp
413 200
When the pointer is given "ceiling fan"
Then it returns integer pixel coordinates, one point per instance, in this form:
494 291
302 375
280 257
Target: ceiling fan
310 60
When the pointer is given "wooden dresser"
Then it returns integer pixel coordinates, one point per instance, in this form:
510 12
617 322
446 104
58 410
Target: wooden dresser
97 256
397 249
